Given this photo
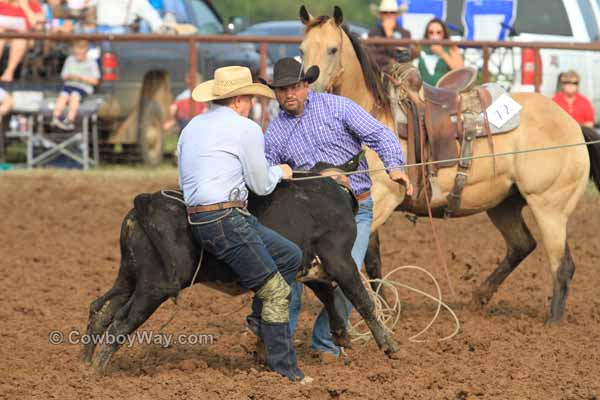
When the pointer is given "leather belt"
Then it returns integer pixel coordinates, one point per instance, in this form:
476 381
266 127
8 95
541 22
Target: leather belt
216 207
363 195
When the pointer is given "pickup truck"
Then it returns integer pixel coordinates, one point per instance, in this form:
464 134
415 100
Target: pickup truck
139 79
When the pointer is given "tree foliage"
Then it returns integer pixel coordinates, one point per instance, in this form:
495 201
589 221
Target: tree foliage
253 11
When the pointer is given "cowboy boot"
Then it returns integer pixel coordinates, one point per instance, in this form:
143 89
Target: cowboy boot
281 356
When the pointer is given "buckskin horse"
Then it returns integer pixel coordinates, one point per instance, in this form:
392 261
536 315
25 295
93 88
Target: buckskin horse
549 182
159 258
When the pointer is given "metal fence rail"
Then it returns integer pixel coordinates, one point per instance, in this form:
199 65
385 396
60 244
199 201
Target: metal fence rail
263 41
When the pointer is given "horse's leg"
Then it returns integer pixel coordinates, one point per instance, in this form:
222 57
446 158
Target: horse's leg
508 218
373 266
339 264
138 309
324 291
373 259
553 227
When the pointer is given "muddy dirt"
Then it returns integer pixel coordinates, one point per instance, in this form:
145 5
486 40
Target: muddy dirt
59 234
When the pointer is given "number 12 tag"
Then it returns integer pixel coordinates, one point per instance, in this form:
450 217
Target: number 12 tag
502 110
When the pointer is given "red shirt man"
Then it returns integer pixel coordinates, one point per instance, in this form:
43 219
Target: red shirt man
577 105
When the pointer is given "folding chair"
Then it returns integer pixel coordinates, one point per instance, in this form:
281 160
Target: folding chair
72 144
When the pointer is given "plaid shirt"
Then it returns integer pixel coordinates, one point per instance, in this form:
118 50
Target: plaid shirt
331 129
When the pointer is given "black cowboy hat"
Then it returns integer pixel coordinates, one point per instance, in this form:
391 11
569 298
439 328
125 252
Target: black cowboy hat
288 71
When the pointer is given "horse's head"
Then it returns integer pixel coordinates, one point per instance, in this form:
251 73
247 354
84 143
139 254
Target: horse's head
322 46
346 67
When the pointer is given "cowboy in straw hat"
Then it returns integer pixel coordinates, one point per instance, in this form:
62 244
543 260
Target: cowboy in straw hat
221 152
313 127
387 27
388 6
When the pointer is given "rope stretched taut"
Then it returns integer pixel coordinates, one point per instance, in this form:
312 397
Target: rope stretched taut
506 153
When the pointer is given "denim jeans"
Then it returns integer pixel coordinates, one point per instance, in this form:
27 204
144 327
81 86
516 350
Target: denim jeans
321 338
253 251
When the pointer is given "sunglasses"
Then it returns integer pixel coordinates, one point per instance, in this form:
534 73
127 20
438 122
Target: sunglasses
571 82
387 12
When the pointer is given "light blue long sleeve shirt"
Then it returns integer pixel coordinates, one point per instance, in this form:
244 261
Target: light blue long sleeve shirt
220 153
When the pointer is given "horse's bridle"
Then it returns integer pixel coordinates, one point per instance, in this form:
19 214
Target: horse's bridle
333 82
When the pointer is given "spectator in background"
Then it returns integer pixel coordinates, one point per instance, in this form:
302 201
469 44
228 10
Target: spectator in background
6 102
17 16
117 16
387 27
184 108
55 21
573 102
436 60
80 75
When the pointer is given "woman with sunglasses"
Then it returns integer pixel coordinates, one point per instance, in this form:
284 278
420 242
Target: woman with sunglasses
436 60
573 102
387 27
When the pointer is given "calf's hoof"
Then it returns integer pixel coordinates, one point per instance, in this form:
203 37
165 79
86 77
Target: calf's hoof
342 339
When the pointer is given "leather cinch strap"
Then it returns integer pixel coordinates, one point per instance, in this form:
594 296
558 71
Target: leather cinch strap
216 207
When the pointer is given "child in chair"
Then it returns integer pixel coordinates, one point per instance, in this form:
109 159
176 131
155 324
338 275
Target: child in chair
80 75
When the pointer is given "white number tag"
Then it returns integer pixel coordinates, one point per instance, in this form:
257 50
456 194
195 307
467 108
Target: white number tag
502 110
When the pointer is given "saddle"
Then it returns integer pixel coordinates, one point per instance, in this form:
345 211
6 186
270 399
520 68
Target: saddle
442 123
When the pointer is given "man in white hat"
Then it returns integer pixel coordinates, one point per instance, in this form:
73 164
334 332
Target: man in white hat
387 27
221 152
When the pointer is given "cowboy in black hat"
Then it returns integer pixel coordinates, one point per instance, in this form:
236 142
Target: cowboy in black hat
312 127
290 84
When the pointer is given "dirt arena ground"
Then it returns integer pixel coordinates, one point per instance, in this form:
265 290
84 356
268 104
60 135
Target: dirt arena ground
59 234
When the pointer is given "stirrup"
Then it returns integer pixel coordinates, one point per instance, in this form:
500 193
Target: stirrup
437 198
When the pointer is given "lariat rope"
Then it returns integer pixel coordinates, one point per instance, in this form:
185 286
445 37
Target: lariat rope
425 163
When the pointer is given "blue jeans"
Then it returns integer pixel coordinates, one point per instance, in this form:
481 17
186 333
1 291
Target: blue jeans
253 251
321 338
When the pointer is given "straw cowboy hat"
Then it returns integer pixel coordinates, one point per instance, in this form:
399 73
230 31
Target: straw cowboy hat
388 6
230 82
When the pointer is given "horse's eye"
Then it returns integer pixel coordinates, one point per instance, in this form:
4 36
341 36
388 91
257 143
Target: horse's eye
333 50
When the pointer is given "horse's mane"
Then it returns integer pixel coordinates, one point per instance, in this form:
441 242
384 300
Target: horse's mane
370 69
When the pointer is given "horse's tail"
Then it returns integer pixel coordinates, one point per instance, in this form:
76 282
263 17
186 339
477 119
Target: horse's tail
591 135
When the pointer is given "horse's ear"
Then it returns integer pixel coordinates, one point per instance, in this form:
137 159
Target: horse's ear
338 16
305 17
